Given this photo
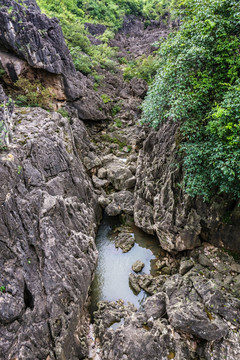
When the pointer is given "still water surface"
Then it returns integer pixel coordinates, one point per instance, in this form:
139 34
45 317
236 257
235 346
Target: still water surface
113 269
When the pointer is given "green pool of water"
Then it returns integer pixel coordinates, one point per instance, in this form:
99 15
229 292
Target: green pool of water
113 269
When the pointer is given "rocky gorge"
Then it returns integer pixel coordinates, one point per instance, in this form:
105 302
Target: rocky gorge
60 172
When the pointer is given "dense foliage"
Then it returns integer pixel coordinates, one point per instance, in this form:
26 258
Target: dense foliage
72 15
108 12
198 84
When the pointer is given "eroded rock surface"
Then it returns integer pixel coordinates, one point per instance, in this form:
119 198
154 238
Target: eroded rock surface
38 40
49 215
162 207
190 316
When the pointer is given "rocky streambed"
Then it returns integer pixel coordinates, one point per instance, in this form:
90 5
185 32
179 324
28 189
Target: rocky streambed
111 280
186 305
191 311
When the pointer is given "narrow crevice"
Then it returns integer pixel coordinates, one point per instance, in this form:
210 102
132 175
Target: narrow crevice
28 298
52 340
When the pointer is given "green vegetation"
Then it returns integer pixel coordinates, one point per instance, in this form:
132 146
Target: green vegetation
198 84
2 288
64 113
113 140
108 12
2 72
72 15
118 123
105 98
143 67
33 94
116 108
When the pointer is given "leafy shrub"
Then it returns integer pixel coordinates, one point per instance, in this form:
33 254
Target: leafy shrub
116 109
160 9
198 83
105 98
2 72
81 61
64 113
33 94
118 123
143 68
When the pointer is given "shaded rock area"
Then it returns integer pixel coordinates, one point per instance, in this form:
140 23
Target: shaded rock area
137 39
190 316
48 219
32 46
33 37
162 207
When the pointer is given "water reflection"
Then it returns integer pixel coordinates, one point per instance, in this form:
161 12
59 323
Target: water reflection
111 279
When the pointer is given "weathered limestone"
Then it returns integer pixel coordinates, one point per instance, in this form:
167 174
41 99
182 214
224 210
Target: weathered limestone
162 207
48 219
186 317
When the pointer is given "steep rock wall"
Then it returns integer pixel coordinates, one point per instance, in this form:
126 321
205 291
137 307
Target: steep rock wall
48 218
161 206
37 41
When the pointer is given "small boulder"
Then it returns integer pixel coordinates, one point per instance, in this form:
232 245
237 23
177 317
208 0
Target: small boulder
99 183
102 173
125 241
133 281
185 266
205 261
122 202
138 266
236 268
103 201
155 306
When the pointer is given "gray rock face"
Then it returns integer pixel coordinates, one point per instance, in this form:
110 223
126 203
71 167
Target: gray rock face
161 206
48 217
185 317
186 313
134 38
155 306
32 36
95 29
121 202
120 176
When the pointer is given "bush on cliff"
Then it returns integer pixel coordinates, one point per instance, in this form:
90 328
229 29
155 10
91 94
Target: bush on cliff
198 84
33 94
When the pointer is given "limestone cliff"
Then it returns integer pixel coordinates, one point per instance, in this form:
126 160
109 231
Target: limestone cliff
161 206
48 218
29 40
